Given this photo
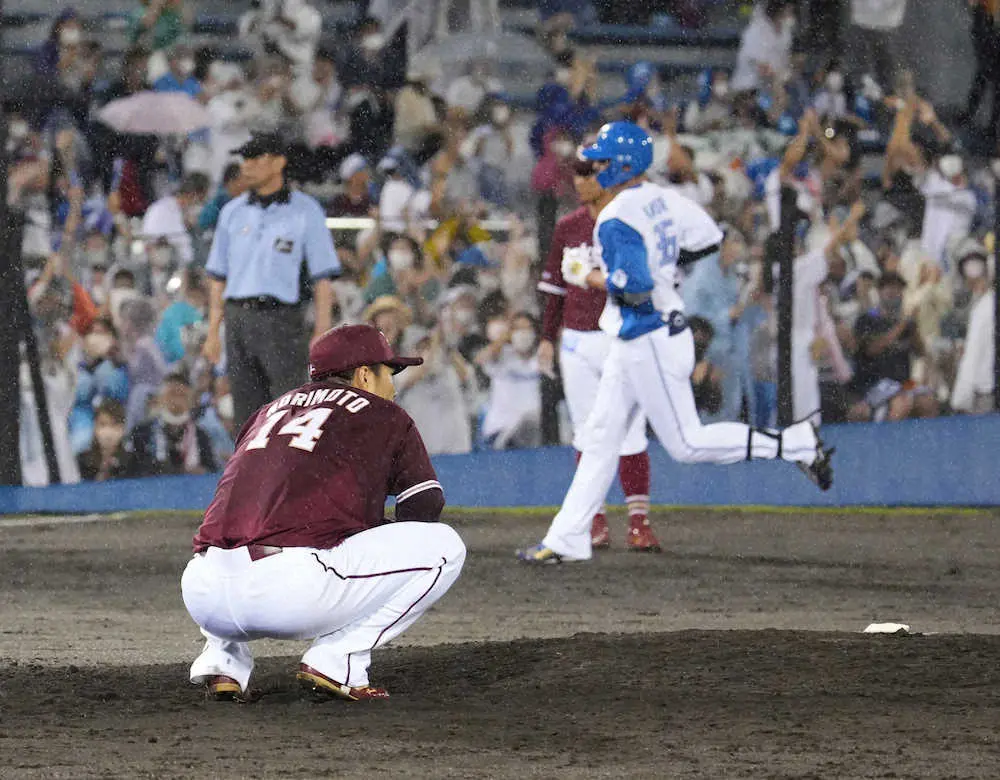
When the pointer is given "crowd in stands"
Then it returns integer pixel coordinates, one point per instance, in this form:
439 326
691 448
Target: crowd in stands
893 301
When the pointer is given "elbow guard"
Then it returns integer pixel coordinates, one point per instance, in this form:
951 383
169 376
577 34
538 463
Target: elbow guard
687 258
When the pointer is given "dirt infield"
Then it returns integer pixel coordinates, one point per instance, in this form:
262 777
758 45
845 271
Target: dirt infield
590 670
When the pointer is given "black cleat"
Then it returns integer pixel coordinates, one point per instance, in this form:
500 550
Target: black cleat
820 471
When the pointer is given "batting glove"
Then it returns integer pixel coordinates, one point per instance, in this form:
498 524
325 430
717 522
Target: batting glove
577 263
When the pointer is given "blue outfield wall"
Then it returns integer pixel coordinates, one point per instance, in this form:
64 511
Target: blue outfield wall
945 462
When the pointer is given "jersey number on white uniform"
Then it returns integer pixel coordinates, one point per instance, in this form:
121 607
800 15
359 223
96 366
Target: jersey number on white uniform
306 428
666 242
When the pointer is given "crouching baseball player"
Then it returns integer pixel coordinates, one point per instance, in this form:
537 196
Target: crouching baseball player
294 545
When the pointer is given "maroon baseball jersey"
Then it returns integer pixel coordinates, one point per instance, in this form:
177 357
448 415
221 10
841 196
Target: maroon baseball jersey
566 305
314 467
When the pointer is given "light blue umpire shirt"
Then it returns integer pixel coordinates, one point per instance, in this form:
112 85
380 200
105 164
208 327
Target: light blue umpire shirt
260 244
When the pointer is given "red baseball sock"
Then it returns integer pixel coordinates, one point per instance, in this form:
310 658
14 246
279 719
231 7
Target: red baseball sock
633 470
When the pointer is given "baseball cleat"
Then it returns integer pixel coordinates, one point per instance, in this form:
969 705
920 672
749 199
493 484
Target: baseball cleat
820 471
315 682
539 554
600 535
222 688
641 537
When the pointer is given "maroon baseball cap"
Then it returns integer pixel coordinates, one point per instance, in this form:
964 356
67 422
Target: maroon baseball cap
350 346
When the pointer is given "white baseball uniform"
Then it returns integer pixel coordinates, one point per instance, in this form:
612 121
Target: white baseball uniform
294 544
571 317
639 239
582 357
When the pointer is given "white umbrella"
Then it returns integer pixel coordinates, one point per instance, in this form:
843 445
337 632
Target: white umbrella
155 113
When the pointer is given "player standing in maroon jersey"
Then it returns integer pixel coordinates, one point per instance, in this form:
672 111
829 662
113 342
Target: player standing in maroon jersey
570 319
295 545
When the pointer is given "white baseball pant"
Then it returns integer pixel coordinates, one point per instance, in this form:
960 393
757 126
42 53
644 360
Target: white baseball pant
805 384
349 600
582 355
652 374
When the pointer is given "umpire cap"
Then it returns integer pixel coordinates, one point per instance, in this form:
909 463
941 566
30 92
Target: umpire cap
351 346
261 144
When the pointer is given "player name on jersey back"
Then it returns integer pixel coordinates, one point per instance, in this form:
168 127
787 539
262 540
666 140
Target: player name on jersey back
342 396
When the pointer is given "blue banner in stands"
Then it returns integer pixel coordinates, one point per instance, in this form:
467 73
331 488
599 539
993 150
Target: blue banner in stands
946 462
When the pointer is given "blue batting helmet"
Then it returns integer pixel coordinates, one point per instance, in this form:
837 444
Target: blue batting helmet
626 147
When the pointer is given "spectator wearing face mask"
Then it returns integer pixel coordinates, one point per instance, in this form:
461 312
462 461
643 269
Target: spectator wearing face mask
57 317
683 176
492 149
365 64
348 288
355 199
814 342
974 383
972 283
66 71
291 27
100 375
188 311
435 395
568 101
415 109
407 275
888 342
468 91
871 38
234 109
863 297
517 282
170 442
712 111
180 76
804 178
458 322
949 207
830 102
974 269
121 287
400 204
127 162
514 408
390 315
146 366
62 44
105 458
765 46
552 179
214 414
317 98
172 218
96 261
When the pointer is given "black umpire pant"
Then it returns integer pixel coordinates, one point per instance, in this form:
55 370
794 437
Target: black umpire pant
266 352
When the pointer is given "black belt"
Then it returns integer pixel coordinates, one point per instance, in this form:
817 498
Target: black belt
261 302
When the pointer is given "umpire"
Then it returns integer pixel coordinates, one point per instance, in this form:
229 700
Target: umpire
265 240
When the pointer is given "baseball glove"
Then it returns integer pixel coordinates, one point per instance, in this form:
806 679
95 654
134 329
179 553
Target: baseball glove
577 263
